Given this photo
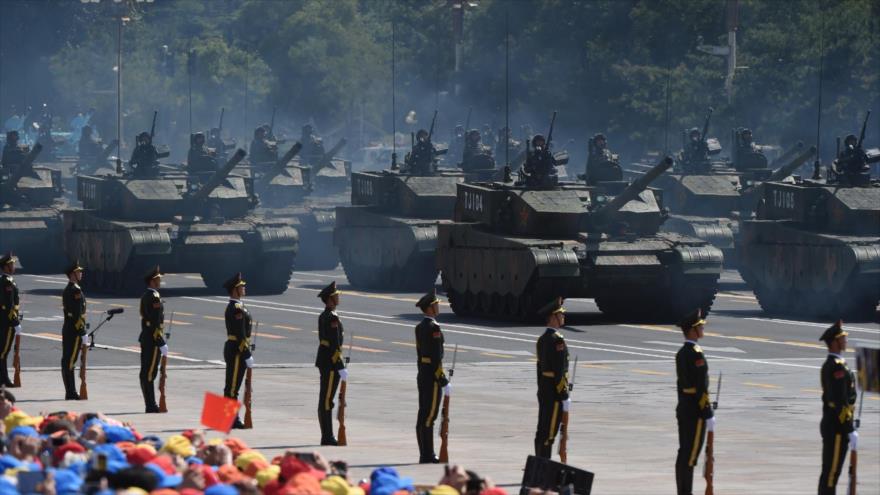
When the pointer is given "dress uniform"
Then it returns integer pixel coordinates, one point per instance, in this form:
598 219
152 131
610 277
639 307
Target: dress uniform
838 405
552 368
694 411
431 379
329 360
73 331
152 338
237 350
10 321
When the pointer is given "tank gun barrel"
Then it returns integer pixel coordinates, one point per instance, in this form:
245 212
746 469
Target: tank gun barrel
787 169
325 160
281 164
219 176
785 157
633 190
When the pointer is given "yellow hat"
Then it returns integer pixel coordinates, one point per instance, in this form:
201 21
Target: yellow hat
179 445
443 490
246 457
264 476
20 418
336 485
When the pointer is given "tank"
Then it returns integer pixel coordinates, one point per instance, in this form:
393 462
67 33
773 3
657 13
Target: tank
184 223
30 215
387 238
286 191
511 249
710 204
330 175
814 248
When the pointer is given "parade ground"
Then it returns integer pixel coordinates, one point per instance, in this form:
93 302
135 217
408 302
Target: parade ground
622 416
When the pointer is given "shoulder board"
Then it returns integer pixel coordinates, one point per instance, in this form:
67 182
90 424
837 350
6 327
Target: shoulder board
237 305
558 335
334 313
840 361
698 348
156 295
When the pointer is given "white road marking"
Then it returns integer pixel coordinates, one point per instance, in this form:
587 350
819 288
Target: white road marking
711 349
849 328
115 348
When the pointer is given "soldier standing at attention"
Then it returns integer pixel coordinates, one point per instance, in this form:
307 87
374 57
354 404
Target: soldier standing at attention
694 412
10 323
237 350
552 369
152 338
432 381
74 329
838 405
329 360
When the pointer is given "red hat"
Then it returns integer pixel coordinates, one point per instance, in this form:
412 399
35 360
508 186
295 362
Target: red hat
236 445
190 491
59 453
141 454
165 462
291 466
254 466
208 473
302 484
229 474
494 491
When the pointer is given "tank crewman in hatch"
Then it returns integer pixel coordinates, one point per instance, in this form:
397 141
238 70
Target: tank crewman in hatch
237 350
329 360
420 161
476 155
694 411
602 165
73 332
10 309
262 149
145 156
432 380
838 407
552 368
152 337
13 153
695 155
540 166
200 158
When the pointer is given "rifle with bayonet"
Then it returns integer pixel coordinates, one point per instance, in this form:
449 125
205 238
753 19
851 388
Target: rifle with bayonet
248 385
444 423
854 454
163 370
709 465
563 428
341 438
83 358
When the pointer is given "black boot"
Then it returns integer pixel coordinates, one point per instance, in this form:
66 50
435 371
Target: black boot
70 392
4 375
684 479
426 447
149 398
325 419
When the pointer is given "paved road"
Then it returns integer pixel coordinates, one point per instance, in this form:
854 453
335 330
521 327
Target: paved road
624 428
382 325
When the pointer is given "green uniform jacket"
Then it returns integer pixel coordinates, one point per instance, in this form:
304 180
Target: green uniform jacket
74 303
238 327
330 338
429 348
552 365
152 318
838 395
692 371
9 317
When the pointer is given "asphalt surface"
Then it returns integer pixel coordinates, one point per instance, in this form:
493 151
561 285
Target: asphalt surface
382 327
623 425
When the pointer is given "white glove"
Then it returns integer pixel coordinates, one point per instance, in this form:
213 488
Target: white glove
447 390
854 441
710 424
88 340
566 404
249 362
17 330
343 374
164 350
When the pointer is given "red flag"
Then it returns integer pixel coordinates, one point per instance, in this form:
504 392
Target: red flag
218 412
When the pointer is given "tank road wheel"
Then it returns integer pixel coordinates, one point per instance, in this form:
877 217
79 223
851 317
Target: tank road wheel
270 273
316 254
687 293
857 301
660 304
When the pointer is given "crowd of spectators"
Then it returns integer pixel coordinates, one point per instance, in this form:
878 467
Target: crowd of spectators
65 453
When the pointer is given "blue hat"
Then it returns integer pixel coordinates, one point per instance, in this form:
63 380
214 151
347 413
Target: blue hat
88 424
385 481
67 482
9 462
165 480
221 489
24 431
193 460
7 487
118 434
115 457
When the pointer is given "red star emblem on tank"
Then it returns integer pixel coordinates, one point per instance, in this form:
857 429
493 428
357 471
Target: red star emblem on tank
524 216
